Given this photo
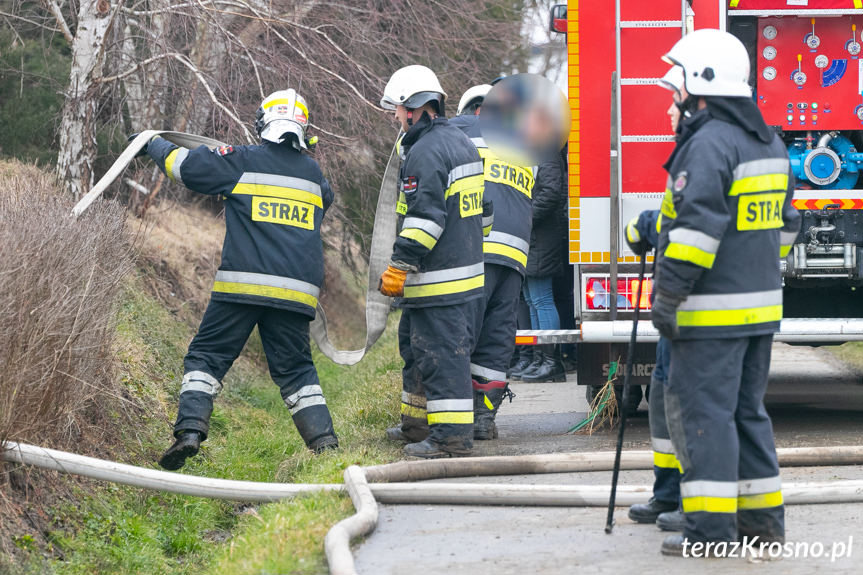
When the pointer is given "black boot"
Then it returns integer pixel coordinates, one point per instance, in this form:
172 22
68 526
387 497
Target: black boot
186 445
406 434
428 449
525 358
671 520
537 359
551 368
487 397
648 512
324 443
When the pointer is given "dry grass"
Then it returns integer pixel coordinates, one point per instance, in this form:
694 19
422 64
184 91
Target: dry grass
60 280
180 252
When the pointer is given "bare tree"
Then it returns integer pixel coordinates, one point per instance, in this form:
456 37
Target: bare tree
204 66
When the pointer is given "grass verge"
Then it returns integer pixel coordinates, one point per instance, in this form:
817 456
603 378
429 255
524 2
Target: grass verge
116 529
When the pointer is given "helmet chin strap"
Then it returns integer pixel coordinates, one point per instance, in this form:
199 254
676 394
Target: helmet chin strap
688 106
410 117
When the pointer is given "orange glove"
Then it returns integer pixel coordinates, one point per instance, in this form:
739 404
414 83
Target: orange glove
392 282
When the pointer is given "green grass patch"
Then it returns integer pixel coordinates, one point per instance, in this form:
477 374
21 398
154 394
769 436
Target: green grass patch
851 353
117 529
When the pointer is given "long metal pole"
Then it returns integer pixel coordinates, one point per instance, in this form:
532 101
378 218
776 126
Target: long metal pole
609 523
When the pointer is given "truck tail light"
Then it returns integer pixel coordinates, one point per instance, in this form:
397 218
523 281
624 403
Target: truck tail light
598 298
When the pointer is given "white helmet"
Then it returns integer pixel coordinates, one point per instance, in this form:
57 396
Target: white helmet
282 114
714 63
411 87
470 97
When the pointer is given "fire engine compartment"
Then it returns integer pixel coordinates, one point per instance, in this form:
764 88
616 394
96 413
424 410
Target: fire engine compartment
807 79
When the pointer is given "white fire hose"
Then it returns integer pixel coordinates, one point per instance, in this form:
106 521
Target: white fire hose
366 495
383 236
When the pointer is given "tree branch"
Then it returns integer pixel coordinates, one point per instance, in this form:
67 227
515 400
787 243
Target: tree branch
61 22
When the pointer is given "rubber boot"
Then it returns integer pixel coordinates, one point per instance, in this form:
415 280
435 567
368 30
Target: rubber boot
538 359
525 358
551 368
316 428
186 445
487 397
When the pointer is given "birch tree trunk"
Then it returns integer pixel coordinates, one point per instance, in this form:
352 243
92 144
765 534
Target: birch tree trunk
77 127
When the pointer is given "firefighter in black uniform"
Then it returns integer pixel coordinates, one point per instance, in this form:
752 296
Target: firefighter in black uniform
509 188
436 267
726 221
271 271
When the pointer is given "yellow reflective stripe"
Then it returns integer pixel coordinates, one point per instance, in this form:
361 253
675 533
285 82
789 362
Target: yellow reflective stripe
658 223
504 250
726 317
470 183
402 203
487 402
857 3
419 236
486 231
760 501
763 183
690 254
285 102
265 291
445 288
666 461
412 411
169 163
632 231
710 504
450 417
784 250
734 3
667 207
278 192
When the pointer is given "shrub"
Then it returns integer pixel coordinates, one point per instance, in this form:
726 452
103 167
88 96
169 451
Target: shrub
60 278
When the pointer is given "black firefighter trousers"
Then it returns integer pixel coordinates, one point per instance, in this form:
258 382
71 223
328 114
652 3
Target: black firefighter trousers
437 397
220 339
723 438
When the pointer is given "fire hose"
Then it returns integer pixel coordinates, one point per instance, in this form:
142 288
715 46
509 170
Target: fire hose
392 483
383 236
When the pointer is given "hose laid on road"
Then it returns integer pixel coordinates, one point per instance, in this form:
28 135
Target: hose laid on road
383 236
580 462
337 544
396 491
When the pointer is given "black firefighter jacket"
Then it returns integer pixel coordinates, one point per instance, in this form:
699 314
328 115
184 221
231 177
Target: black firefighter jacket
275 199
726 220
441 233
508 187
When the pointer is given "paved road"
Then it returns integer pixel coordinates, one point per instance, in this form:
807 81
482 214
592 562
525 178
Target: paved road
813 400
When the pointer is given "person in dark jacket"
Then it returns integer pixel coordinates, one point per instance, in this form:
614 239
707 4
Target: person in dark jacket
546 259
436 268
271 270
508 187
727 219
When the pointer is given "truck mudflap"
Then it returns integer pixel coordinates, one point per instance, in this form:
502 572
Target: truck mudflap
792 330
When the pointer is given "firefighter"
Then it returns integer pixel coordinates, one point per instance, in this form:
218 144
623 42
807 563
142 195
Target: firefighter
727 219
436 269
642 235
508 187
271 270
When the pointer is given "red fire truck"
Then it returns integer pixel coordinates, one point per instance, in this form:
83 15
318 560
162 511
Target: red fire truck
807 78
